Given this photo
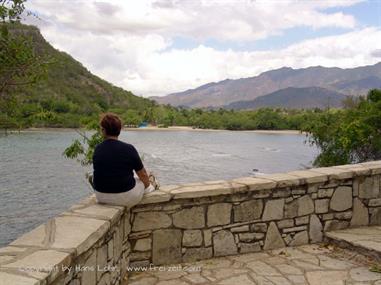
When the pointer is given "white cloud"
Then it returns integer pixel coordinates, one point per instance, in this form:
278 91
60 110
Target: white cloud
224 20
376 53
129 42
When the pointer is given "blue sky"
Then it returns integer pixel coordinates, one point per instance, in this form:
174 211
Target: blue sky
367 13
288 37
156 47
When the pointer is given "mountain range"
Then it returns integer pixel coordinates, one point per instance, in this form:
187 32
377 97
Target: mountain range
285 87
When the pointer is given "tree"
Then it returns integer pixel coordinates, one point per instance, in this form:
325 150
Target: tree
267 119
11 10
83 150
352 135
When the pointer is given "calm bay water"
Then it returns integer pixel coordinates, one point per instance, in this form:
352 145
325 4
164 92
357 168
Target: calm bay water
37 182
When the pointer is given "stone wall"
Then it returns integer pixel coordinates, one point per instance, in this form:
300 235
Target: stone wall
96 244
86 245
203 220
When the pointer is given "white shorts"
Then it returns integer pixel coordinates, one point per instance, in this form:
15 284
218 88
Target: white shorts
127 199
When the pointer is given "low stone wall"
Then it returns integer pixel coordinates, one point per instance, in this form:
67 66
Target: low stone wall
203 220
88 244
96 244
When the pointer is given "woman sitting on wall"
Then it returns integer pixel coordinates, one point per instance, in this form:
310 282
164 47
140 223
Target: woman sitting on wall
114 164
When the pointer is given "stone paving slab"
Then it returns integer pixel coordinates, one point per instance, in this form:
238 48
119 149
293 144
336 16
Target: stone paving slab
366 240
65 232
317 264
9 279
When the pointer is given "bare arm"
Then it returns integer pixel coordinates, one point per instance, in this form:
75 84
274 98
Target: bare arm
143 176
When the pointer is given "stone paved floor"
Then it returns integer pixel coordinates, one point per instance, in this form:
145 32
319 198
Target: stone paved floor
310 264
368 238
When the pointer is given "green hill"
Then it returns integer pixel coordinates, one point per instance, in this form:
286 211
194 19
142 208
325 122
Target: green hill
68 95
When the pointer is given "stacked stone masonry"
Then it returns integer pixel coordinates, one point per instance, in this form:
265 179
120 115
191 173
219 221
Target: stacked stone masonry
185 223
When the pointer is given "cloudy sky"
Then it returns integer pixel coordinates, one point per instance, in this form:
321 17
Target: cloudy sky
157 47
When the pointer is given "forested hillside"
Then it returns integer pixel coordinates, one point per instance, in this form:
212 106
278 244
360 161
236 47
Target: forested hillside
68 93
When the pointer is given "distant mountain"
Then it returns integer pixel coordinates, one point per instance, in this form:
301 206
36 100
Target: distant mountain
294 98
352 81
355 87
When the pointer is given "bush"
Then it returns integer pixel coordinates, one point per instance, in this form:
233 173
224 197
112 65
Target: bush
352 135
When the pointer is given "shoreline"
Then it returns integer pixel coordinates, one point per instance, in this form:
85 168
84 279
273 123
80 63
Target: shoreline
170 129
190 129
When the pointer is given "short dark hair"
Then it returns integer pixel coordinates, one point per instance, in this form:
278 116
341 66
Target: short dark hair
111 123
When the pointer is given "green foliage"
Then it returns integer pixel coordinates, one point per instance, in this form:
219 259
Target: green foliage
263 119
83 149
351 135
8 123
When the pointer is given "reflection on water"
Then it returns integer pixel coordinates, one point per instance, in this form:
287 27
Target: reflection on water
37 183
